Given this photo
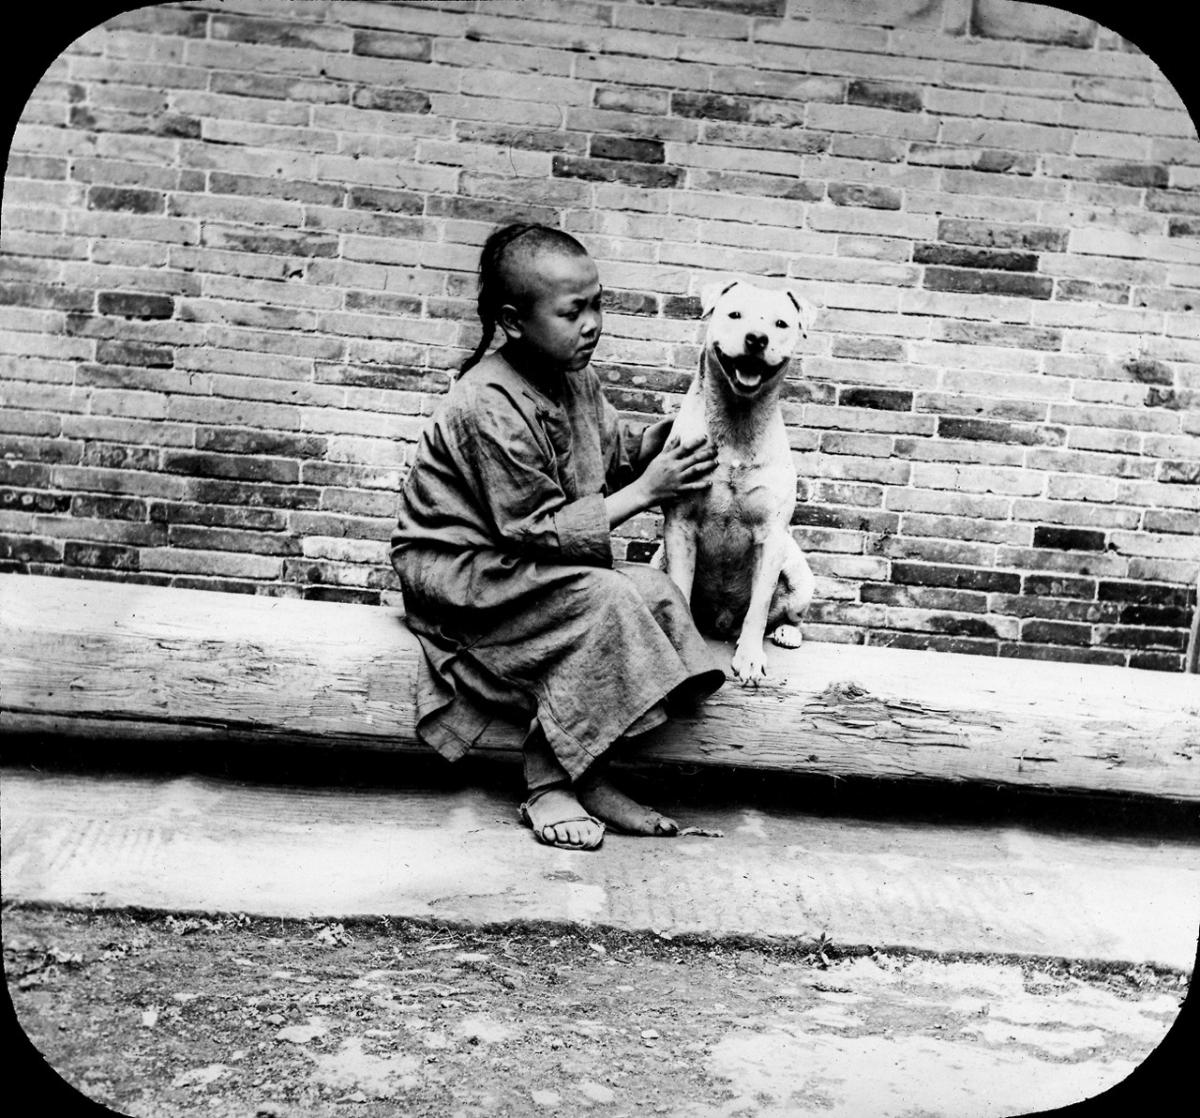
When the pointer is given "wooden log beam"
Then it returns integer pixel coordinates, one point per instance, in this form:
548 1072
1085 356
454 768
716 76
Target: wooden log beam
99 660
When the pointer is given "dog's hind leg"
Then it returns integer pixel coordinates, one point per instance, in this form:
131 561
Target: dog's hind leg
793 594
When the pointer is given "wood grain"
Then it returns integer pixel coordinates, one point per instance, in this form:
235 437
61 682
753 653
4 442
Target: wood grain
110 661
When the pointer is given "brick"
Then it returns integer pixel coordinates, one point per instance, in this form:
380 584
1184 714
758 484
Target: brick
631 302
1059 586
226 466
926 642
992 431
869 349
218 516
974 258
1000 19
291 33
885 95
1156 397
860 119
23 551
921 574
493 212
770 138
607 170
381 44
1056 632
632 99
1035 238
877 149
870 197
210 563
114 456
339 594
988 282
1157 662
411 101
1180 473
1172 520
277 243
1139 637
710 106
1002 334
807 392
256 496
539 192
1053 609
107 556
1183 227
985 160
221 182
28 501
242 441
1066 654
95 506
126 199
926 598
135 304
779 186
526 139
619 147
1156 616
44 296
1068 539
208 538
848 519
315 473
1172 201
135 353
1131 174
1092 292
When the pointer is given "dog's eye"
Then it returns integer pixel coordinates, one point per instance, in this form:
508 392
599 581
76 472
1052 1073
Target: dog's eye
781 324
735 314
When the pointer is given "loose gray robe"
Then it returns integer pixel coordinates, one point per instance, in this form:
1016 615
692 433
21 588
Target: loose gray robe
509 583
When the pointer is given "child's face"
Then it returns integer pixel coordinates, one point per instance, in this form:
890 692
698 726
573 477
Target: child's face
561 321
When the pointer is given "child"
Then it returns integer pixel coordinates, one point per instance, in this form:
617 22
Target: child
505 559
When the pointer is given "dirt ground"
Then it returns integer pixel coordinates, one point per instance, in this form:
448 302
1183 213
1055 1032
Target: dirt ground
233 1016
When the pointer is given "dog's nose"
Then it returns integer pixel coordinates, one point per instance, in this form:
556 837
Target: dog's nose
756 341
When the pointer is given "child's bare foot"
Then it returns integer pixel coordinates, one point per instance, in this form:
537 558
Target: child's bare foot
608 803
557 819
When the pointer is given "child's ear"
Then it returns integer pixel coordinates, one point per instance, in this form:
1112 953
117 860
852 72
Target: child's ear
509 320
711 292
807 308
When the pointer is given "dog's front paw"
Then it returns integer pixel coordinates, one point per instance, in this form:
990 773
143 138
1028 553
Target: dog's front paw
749 665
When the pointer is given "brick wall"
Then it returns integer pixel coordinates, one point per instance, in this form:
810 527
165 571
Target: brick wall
239 237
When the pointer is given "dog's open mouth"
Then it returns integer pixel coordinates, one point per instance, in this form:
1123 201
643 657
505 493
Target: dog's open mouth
746 374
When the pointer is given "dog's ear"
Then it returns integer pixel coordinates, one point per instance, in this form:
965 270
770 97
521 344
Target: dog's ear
807 309
711 292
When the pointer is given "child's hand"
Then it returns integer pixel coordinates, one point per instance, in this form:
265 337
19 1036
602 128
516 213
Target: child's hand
654 438
678 469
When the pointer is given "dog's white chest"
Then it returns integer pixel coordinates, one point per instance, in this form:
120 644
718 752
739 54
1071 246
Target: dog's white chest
746 493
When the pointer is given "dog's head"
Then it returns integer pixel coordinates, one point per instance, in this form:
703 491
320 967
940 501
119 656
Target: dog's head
752 332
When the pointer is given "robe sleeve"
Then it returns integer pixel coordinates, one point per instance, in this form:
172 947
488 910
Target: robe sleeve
519 493
621 445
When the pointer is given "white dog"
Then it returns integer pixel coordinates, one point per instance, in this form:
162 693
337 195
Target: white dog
729 548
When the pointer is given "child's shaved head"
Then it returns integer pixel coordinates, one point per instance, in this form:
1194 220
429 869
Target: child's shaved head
508 272
517 264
